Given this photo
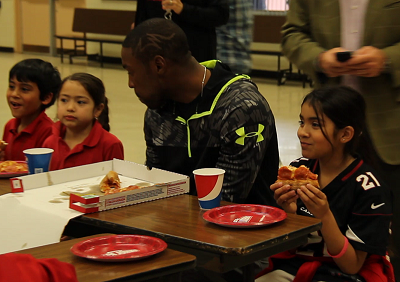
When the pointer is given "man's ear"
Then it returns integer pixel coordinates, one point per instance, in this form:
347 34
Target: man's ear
47 100
160 64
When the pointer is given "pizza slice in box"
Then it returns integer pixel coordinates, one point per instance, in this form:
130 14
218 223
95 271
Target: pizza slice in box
297 176
110 181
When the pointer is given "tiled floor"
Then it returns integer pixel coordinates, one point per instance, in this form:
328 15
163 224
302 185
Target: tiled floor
126 111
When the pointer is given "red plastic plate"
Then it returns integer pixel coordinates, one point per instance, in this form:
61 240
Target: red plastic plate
244 216
116 248
13 174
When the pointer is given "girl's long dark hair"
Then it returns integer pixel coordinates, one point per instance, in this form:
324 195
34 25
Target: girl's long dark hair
95 87
345 107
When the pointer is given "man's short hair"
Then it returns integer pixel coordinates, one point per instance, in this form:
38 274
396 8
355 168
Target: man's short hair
158 37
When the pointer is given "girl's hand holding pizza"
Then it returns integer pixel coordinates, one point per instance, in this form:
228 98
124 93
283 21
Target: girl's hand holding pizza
291 179
285 197
315 200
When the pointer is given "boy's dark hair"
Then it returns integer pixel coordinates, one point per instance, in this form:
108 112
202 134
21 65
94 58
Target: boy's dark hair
345 107
43 73
95 87
158 37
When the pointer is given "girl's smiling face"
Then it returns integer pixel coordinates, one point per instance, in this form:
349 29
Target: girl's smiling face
314 144
76 108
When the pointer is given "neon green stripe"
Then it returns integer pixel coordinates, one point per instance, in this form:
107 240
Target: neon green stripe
209 64
188 133
181 120
209 112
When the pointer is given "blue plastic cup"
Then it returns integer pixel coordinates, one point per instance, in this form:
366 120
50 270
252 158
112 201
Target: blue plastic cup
38 159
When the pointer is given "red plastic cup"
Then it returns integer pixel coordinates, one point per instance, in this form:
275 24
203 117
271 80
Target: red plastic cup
208 185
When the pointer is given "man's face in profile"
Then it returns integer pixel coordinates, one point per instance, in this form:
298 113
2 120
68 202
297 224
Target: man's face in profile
143 80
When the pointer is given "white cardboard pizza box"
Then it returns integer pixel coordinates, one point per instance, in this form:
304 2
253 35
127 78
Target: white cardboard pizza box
38 215
25 226
82 183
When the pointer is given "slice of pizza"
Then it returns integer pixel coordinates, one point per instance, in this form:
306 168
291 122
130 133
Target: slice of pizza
110 181
297 176
13 167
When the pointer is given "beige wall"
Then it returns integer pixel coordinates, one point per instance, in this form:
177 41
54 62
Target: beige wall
35 19
35 25
35 22
64 18
111 4
110 50
7 20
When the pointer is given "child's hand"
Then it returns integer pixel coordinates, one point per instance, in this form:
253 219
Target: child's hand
2 150
315 200
285 197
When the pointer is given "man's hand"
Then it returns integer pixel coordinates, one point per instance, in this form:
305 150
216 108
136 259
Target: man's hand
330 65
367 61
174 5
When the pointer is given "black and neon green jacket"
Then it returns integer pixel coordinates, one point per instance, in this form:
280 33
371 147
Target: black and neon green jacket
230 127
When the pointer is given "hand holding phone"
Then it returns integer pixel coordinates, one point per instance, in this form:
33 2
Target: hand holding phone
343 56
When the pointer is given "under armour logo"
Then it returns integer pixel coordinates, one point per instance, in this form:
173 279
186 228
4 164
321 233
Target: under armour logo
242 133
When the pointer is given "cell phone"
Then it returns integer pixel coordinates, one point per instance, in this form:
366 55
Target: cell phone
343 56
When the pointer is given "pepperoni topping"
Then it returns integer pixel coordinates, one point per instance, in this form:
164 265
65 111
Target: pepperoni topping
312 176
284 173
301 173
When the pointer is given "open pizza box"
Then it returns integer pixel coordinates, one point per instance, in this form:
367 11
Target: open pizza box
81 185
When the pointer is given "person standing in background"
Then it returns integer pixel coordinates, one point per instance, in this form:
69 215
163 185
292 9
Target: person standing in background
315 31
234 38
197 18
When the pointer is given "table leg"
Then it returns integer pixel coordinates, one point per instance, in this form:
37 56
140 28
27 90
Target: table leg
62 50
101 54
279 71
248 273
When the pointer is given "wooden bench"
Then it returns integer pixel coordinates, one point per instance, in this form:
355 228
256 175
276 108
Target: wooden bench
267 29
96 21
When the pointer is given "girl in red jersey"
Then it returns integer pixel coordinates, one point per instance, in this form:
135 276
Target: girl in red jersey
32 87
82 134
353 202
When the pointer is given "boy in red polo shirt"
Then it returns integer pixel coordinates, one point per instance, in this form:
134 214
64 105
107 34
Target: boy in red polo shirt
32 87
